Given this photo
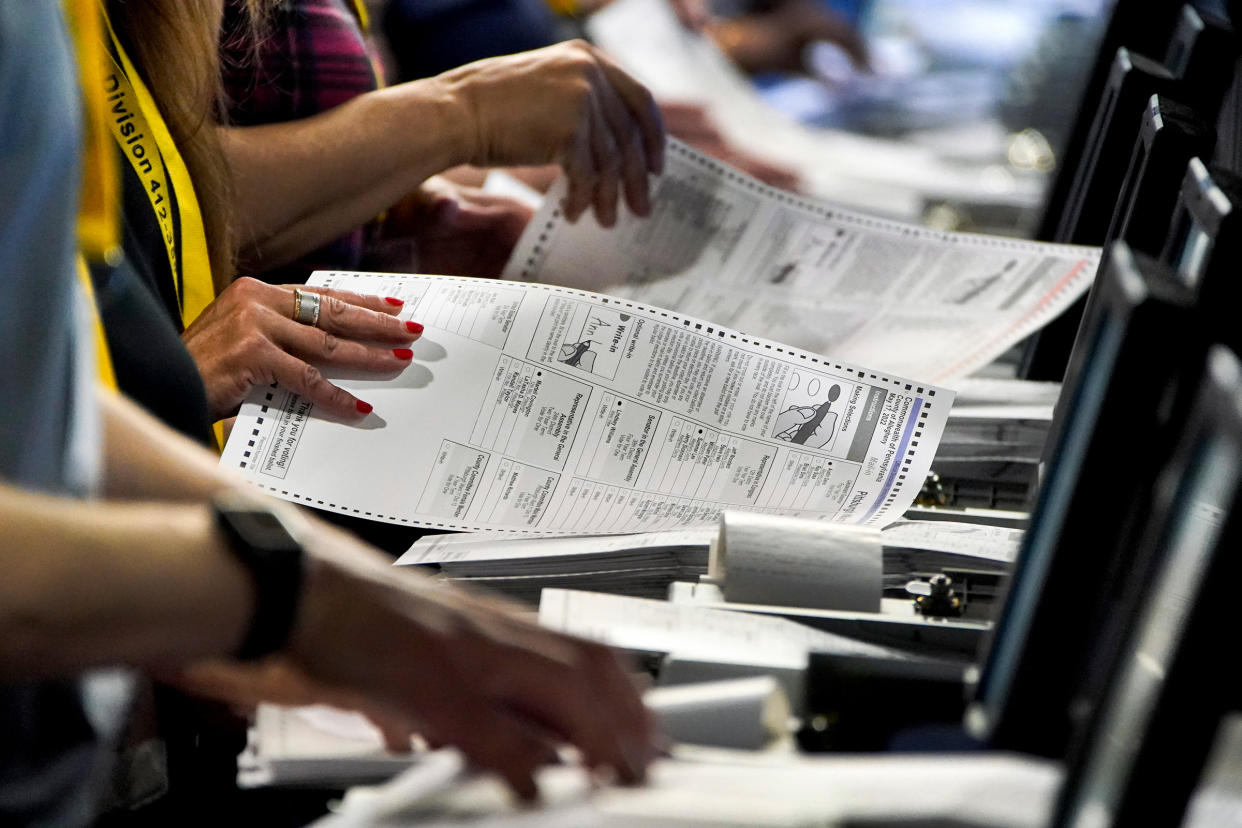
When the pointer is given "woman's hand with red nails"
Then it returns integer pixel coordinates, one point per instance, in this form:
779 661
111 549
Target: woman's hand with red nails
247 337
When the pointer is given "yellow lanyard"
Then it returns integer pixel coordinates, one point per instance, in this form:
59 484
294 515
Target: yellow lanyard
364 19
98 213
143 138
99 226
565 8
364 25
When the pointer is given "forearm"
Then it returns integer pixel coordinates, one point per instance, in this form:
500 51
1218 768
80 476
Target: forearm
302 183
319 226
97 584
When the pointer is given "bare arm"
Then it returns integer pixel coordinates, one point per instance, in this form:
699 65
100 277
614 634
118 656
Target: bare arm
153 585
302 183
107 583
146 460
88 585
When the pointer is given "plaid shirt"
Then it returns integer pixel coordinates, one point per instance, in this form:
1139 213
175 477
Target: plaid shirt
312 57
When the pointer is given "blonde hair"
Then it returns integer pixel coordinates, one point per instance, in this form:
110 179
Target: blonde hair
175 44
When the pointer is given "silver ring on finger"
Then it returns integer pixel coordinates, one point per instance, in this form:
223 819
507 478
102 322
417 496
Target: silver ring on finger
306 307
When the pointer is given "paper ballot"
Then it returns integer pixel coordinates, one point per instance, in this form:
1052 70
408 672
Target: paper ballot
491 547
730 789
324 746
540 409
950 538
315 745
757 559
691 632
520 566
723 246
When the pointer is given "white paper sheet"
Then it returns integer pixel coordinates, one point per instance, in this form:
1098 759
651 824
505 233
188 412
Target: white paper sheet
723 246
533 408
330 747
482 547
499 182
315 745
981 391
733 789
521 566
997 543
695 633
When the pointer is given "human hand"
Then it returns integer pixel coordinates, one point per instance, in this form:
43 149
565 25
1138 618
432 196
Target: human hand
790 420
693 124
693 14
689 121
458 229
569 104
247 338
774 40
243 686
466 668
791 424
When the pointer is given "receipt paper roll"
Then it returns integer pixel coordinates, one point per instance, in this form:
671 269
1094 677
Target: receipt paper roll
768 559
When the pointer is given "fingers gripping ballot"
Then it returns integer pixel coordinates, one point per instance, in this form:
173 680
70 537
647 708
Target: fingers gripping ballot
636 129
509 713
579 110
475 675
586 700
248 337
626 140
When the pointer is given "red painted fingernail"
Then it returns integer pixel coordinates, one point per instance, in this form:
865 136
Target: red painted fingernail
363 407
402 353
414 327
392 300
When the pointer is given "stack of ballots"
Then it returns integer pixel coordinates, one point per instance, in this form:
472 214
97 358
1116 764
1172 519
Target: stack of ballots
974 555
639 565
322 746
645 565
993 441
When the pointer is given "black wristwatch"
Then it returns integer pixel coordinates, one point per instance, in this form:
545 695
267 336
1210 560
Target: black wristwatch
259 538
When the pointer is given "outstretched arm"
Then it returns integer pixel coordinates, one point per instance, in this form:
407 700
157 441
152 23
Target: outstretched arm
152 584
87 585
302 183
143 582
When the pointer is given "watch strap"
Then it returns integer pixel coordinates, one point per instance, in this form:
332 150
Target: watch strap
261 541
